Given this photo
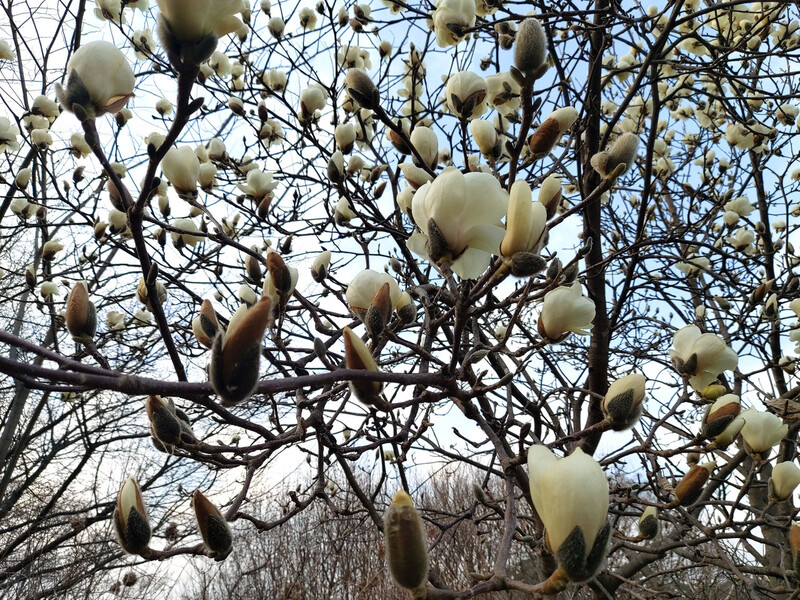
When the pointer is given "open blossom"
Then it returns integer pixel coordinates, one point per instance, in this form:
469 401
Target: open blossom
99 80
6 53
565 309
571 497
762 430
702 356
459 220
450 19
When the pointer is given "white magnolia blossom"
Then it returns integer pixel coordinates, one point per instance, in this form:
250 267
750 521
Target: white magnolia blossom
693 265
565 309
8 135
569 493
459 219
450 19
182 168
702 356
308 18
785 478
526 222
426 143
193 20
465 95
364 286
503 93
762 430
187 239
259 185
101 72
6 53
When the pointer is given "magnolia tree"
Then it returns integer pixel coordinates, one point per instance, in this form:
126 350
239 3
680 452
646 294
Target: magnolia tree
262 262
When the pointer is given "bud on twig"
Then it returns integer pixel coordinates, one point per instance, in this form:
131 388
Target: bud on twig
406 549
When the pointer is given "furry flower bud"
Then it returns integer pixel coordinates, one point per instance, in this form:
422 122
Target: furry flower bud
406 548
131 523
622 404
81 314
690 487
530 49
619 158
213 527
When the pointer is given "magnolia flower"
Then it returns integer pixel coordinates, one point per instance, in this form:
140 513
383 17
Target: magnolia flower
720 414
550 194
80 148
450 20
622 403
259 185
503 93
41 138
565 309
109 10
6 53
571 497
99 80
648 523
276 27
81 315
372 296
345 136
358 357
236 355
205 325
189 29
694 265
51 248
406 547
8 135
312 99
48 289
465 95
691 485
426 143
44 106
308 18
702 356
181 239
485 136
619 158
785 477
762 430
131 523
459 220
143 44
321 266
115 320
526 226
550 131
275 80
281 280
182 168
213 527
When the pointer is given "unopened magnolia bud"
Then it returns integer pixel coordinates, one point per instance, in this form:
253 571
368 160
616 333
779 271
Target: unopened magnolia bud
406 309
131 523
530 52
794 544
81 314
236 355
720 414
360 87
691 486
319 270
785 478
336 167
164 425
619 158
319 348
379 312
527 264
358 356
622 404
283 277
213 527
550 131
252 267
550 194
648 523
205 325
406 548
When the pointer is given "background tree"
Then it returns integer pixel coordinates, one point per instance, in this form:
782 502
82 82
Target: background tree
659 146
